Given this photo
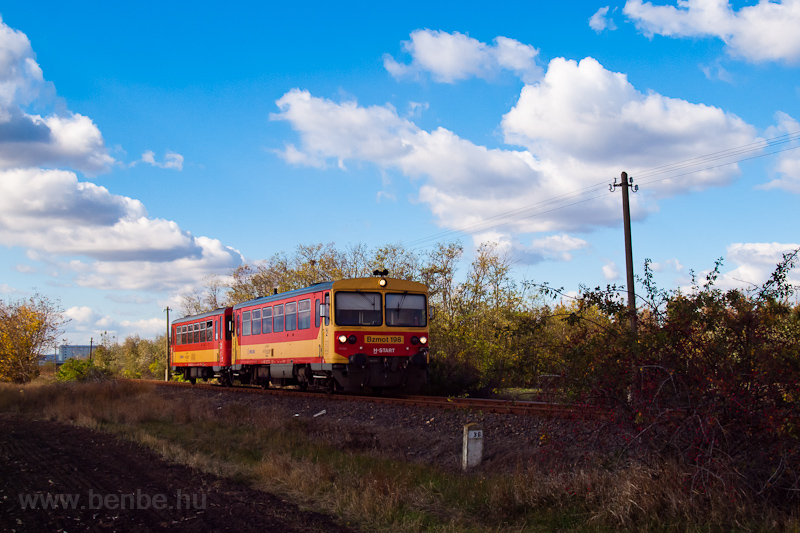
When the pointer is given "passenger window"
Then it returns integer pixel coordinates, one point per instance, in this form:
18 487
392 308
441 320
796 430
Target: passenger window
277 319
304 314
256 321
246 323
266 320
291 316
196 333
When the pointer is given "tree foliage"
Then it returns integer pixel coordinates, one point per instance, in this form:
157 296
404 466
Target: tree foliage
28 327
133 358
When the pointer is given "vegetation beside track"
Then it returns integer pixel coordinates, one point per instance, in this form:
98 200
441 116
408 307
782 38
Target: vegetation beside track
270 449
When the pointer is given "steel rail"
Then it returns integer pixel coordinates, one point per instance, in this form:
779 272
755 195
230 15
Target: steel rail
497 406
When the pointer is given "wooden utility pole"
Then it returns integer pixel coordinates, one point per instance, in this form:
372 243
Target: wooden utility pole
166 341
626 217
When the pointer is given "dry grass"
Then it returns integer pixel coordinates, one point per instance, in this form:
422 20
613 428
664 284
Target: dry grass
273 452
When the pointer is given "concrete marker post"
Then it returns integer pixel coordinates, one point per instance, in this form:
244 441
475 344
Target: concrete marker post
473 446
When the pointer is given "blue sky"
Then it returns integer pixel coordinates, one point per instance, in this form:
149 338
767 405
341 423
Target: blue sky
146 146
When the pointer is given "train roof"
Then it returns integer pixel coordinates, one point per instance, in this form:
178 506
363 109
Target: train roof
192 318
351 283
325 285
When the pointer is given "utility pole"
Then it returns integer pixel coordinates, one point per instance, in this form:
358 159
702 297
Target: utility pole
626 217
166 342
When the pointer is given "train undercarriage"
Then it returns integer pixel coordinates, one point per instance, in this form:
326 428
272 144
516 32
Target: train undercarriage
361 374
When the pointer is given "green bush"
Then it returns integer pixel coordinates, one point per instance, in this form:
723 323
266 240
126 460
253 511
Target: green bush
80 370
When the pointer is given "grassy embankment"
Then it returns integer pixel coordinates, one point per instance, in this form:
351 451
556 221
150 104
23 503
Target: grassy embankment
272 451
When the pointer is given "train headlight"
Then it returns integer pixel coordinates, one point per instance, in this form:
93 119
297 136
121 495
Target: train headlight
382 282
343 338
423 340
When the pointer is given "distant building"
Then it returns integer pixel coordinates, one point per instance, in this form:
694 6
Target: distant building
73 351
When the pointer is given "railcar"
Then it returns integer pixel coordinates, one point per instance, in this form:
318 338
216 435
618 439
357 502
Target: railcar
351 335
201 345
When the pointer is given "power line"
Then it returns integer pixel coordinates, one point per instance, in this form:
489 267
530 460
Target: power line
534 210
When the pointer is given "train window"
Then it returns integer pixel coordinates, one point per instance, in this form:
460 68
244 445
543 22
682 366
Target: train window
209 331
184 337
256 322
228 327
328 304
358 308
216 330
304 314
277 319
246 323
316 313
266 320
291 316
196 333
405 310
203 332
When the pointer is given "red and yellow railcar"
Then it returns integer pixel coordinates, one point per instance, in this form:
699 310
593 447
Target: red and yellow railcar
201 345
350 334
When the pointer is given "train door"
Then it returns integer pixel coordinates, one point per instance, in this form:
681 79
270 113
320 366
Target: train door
325 326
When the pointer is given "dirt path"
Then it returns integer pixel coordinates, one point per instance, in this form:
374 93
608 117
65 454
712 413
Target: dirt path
56 477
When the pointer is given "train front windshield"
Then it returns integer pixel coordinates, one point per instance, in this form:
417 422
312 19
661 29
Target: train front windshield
406 310
365 309
358 308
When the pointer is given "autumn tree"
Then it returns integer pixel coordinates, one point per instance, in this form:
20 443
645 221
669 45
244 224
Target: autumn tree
27 328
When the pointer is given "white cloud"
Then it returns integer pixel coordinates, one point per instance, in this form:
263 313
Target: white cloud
788 166
766 31
451 57
171 160
139 275
30 140
602 21
558 246
610 271
51 211
580 125
755 263
81 315
593 118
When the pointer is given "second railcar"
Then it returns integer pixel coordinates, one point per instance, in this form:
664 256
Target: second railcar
201 345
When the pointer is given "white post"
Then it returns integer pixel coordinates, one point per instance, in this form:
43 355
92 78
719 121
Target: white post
473 446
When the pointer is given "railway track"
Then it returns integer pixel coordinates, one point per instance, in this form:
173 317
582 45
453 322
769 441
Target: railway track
512 407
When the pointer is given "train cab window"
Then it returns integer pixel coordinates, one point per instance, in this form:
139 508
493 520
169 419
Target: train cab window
405 310
304 314
246 323
277 319
358 308
328 304
291 316
316 313
256 322
196 333
266 320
